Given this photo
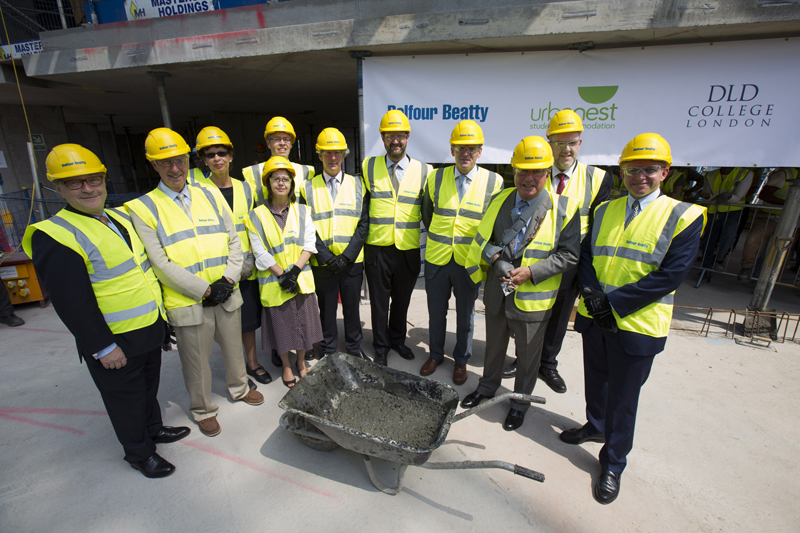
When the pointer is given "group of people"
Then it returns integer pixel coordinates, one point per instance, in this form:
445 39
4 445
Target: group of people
213 258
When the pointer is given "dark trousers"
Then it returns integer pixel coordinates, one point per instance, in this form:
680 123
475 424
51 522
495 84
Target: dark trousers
559 320
440 282
391 276
328 288
6 309
720 235
129 394
613 381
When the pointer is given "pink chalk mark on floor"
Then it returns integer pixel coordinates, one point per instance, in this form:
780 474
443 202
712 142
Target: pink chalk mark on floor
42 330
50 411
248 464
40 424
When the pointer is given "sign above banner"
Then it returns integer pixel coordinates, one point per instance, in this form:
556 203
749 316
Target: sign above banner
148 9
726 104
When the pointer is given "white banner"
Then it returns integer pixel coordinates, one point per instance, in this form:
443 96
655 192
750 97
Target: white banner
149 9
17 50
726 104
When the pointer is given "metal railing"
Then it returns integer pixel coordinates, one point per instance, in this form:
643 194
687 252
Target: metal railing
25 19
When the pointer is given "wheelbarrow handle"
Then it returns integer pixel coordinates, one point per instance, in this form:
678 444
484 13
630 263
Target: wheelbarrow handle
528 473
502 465
496 399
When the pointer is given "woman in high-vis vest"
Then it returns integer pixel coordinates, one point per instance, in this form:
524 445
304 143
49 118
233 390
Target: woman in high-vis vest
216 149
283 236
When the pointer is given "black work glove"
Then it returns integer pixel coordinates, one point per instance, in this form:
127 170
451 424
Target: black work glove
596 302
607 322
221 290
338 263
288 280
169 339
502 268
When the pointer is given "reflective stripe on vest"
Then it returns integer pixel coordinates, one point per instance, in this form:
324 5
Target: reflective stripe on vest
583 186
335 222
394 218
199 246
455 223
285 247
720 183
252 175
622 256
127 291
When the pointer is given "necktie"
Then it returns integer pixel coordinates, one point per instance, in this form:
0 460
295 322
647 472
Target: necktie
103 219
562 183
334 183
185 205
460 185
520 208
634 212
393 176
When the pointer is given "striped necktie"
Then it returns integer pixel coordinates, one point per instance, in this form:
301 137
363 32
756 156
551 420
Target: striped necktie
634 212
562 183
393 177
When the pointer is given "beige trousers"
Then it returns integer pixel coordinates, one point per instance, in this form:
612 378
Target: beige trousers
194 347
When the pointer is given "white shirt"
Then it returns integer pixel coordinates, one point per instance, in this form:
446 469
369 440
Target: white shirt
328 178
264 259
555 171
401 167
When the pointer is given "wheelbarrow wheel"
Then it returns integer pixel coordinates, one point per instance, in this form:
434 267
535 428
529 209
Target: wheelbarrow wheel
322 445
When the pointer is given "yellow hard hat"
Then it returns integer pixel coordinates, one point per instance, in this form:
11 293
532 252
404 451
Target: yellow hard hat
467 132
71 160
331 139
279 124
565 121
163 143
210 136
276 163
647 146
532 153
394 120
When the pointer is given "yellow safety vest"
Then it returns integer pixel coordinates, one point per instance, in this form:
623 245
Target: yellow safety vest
454 224
394 218
252 175
242 205
582 186
199 246
668 185
125 286
621 255
285 247
335 222
791 175
528 297
720 183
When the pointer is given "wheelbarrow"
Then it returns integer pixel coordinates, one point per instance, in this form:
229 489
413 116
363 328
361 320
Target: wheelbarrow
381 412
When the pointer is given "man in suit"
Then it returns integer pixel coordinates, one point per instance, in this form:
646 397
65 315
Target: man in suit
392 255
640 250
529 237
115 313
340 210
193 245
456 197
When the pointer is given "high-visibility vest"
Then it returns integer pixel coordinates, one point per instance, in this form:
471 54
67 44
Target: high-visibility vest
285 247
335 222
528 297
621 255
720 183
242 205
791 175
394 218
582 186
668 185
454 223
252 175
199 246
127 291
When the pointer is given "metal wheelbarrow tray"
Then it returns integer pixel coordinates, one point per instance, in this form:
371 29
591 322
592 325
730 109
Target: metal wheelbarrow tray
381 412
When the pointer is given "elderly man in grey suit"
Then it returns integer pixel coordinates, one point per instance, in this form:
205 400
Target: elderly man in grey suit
527 239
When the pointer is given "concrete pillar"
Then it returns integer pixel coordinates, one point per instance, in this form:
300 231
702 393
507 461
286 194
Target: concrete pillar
162 96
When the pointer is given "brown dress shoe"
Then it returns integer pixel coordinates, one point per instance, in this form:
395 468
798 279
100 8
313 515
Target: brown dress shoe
460 374
430 366
209 426
253 398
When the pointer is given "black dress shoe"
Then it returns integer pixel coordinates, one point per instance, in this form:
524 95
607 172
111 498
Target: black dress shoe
514 420
581 435
168 434
154 466
553 379
381 359
360 355
264 378
311 355
276 359
510 371
471 400
404 351
606 489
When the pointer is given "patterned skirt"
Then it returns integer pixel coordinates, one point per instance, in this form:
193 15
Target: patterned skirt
294 325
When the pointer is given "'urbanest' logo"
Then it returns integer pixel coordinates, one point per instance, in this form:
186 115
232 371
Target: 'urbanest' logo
594 116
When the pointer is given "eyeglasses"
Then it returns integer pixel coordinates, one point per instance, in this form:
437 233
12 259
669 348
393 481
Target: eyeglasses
212 155
535 172
632 172
339 153
400 137
166 164
278 140
280 180
76 184
471 150
562 145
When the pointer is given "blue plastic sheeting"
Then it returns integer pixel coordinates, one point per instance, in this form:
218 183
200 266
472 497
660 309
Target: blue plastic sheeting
114 10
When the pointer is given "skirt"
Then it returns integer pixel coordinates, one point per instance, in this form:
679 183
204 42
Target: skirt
294 325
251 307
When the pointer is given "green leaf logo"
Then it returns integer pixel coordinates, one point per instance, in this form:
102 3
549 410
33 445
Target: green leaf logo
597 95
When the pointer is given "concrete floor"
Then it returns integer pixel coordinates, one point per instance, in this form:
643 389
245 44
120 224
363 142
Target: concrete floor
715 447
